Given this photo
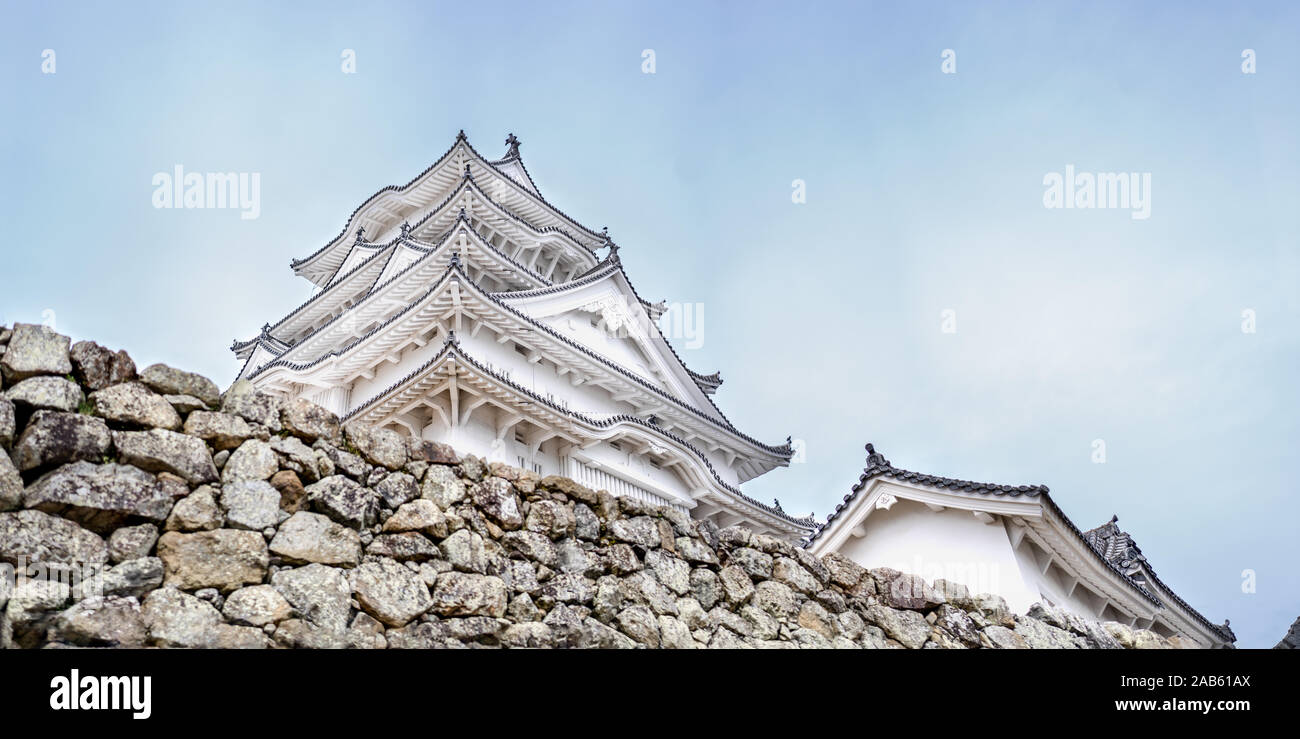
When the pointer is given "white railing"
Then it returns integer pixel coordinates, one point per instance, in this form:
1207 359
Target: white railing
602 480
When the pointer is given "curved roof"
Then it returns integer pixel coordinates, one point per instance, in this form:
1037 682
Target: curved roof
610 265
1118 547
452 346
454 268
1115 555
383 254
522 188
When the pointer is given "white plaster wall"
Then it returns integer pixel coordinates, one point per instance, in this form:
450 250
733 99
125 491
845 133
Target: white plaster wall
1052 587
950 544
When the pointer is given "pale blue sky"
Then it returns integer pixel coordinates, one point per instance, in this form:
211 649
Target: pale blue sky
924 194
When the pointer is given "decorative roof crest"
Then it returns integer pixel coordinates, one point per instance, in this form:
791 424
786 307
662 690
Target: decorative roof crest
874 458
513 143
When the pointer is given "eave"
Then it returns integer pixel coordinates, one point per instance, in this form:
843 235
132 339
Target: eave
408 388
1027 505
309 266
529 327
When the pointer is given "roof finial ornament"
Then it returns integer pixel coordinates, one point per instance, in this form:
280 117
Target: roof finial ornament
467 174
776 503
461 136
266 329
462 215
455 259
451 337
613 253
513 143
1114 518
406 229
874 458
361 232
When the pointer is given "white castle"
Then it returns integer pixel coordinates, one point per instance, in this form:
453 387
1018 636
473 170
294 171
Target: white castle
464 308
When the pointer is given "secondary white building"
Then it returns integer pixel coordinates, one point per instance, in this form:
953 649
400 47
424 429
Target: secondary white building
462 307
1009 540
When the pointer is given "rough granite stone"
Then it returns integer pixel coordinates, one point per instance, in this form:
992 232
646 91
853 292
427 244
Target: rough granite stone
8 425
345 501
383 447
496 498
97 368
309 421
46 393
166 380
33 536
35 350
310 537
251 404
196 512
442 486
132 542
159 450
131 404
11 483
392 593
251 504
100 497
225 559
256 605
462 594
52 438
253 460
221 430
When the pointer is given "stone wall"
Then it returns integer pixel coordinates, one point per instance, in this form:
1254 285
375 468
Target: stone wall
149 509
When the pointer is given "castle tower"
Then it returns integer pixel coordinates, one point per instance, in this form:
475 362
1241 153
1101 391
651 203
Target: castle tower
462 307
